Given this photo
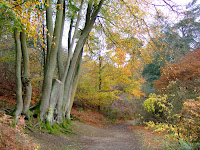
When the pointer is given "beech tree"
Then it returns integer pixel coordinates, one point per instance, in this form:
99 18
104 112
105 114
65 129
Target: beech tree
21 50
60 94
19 20
123 28
57 98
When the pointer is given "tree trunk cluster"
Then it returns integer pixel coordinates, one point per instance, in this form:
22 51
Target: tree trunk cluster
23 81
57 94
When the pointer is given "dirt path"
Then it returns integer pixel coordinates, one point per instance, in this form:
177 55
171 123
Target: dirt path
116 137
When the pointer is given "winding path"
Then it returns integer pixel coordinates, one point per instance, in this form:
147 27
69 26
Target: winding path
116 137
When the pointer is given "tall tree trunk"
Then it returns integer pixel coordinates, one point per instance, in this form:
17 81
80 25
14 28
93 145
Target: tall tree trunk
100 79
72 42
19 105
53 100
90 19
43 48
61 103
60 50
59 116
49 23
70 75
51 63
74 85
26 75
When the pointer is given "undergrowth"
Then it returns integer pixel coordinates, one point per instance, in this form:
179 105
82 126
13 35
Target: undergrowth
184 131
12 135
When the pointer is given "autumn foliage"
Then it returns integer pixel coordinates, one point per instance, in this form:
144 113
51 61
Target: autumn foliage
186 69
189 120
179 83
14 137
185 128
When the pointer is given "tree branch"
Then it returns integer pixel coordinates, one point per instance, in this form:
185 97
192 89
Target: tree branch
106 20
147 27
112 40
76 30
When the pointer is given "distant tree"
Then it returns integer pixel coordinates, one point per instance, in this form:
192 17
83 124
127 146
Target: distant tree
189 26
171 42
186 69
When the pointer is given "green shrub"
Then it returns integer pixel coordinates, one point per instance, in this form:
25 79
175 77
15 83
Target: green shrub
185 130
158 108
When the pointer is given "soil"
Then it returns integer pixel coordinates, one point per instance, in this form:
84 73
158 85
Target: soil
93 132
114 137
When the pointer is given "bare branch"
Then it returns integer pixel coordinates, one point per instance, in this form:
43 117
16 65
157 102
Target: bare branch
168 5
147 27
109 37
107 20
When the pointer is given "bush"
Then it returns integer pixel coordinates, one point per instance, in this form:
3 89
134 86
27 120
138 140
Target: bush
186 129
157 108
14 137
181 145
189 121
179 91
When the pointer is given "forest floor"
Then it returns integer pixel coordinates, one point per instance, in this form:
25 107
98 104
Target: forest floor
115 137
96 135
94 132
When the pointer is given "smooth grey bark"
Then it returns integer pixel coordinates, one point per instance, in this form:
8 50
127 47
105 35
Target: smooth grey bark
60 50
70 75
49 23
43 49
53 100
74 85
26 75
19 105
75 30
70 33
51 63
90 19
72 42
59 117
60 108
